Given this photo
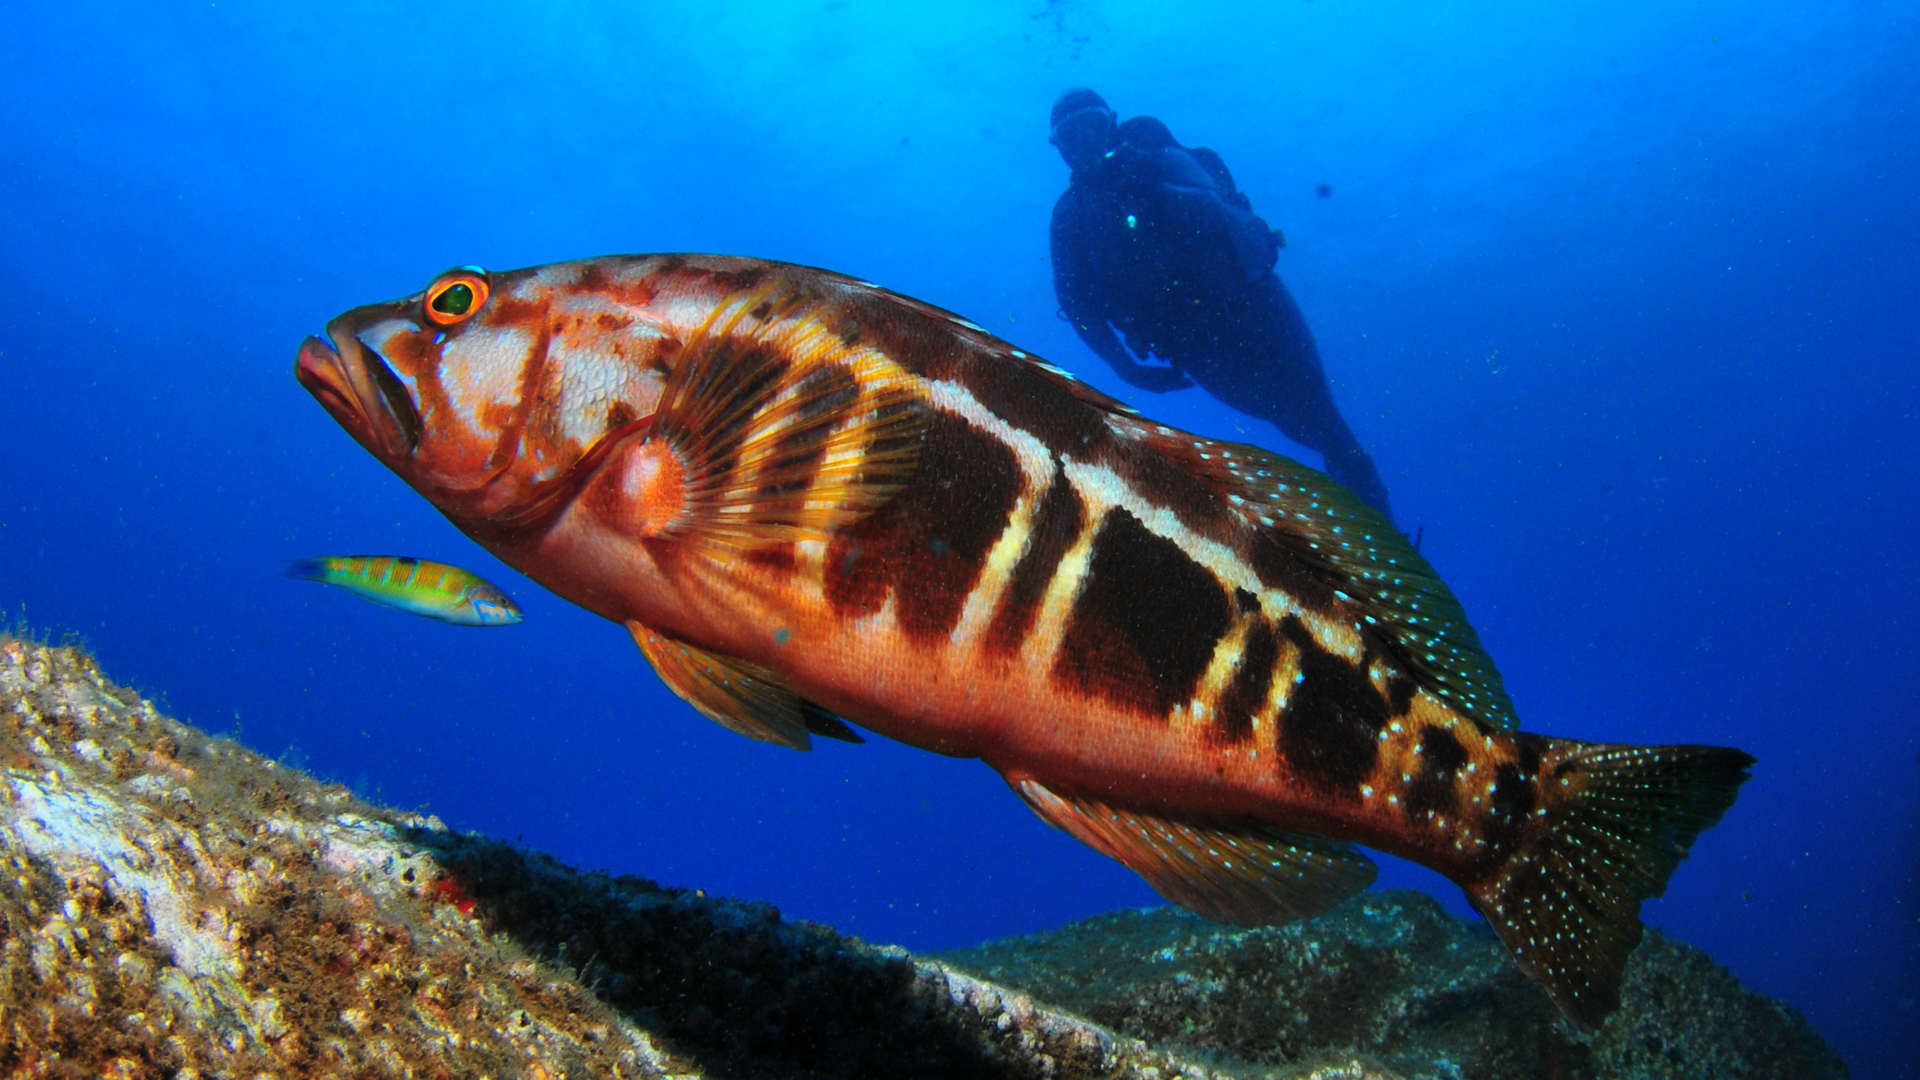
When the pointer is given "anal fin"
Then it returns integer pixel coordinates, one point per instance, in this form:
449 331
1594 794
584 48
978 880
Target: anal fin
1247 874
737 695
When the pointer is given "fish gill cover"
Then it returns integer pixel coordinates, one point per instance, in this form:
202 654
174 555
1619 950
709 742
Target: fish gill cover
1620 302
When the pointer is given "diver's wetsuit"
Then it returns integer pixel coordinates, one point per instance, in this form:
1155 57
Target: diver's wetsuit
1156 252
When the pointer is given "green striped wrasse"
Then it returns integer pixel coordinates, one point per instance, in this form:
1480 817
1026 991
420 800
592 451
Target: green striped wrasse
419 586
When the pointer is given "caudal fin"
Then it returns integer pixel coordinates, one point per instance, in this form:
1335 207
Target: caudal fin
1567 904
306 569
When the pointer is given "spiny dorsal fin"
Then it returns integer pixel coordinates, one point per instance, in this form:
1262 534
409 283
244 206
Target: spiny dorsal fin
737 695
1567 904
1247 875
1066 379
781 430
1348 544
982 339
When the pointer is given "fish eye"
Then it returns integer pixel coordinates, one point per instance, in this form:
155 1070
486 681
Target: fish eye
456 294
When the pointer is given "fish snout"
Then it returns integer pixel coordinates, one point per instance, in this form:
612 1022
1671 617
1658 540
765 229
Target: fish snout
322 372
360 391
491 607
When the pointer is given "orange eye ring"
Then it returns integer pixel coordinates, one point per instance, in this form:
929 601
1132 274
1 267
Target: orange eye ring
455 295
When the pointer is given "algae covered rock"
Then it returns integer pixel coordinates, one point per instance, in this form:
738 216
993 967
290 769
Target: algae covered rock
174 905
1391 978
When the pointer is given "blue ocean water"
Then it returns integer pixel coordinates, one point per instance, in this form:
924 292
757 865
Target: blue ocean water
1625 303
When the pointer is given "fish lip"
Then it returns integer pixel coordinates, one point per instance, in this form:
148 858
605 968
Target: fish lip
322 372
338 373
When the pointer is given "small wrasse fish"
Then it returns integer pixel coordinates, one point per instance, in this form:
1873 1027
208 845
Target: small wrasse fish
809 499
432 589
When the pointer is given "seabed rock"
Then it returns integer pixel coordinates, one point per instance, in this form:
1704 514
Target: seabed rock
1390 978
175 905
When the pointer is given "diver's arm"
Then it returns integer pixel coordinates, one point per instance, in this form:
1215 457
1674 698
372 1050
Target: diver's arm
1090 318
1100 336
1102 339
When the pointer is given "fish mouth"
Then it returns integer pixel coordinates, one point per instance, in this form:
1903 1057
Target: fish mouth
360 391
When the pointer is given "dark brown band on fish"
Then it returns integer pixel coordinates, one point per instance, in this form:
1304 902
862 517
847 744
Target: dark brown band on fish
1145 622
1433 791
1329 731
1400 690
1513 793
926 548
1025 399
745 279
919 339
1278 567
778 560
624 290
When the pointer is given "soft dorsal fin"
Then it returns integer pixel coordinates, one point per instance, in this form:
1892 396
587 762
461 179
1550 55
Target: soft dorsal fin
1348 544
780 430
1247 875
737 695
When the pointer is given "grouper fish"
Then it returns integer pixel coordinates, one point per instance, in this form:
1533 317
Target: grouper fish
811 500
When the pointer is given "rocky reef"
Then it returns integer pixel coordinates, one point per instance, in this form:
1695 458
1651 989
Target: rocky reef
1391 978
174 905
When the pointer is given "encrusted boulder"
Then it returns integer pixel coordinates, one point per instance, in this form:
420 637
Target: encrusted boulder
175 905
1391 977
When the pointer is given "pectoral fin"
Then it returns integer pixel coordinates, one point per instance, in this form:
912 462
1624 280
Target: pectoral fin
737 695
777 429
1246 875
826 725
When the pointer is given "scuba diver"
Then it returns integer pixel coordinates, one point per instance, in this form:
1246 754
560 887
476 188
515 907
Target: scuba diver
1156 253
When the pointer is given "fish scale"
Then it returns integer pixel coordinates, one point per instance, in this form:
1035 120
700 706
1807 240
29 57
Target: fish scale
808 499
